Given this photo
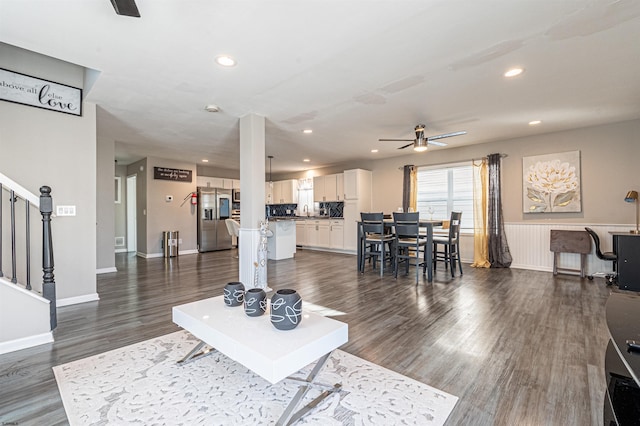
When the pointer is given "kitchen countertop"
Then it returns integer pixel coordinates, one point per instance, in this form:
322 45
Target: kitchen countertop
277 218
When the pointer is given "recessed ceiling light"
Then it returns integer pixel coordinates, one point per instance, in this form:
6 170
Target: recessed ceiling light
204 160
374 150
534 122
225 61
307 131
513 72
306 160
212 108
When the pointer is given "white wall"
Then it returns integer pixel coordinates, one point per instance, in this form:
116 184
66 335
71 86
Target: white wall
41 147
609 156
105 213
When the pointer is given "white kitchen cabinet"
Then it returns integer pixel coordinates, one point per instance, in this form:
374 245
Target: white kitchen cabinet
312 228
216 182
336 234
357 184
301 232
328 188
318 189
268 193
210 182
324 234
340 187
284 192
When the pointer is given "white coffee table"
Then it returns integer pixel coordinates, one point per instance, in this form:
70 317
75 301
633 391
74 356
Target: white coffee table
255 343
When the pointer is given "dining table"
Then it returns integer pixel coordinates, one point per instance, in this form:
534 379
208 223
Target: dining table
426 224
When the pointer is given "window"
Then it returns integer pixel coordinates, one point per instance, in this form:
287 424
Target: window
443 189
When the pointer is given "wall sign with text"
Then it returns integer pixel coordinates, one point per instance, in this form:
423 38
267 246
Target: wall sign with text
177 175
24 89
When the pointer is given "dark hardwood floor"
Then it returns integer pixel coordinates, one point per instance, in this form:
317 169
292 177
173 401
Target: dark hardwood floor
518 347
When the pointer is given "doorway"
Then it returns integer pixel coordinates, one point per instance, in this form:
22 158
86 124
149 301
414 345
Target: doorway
131 214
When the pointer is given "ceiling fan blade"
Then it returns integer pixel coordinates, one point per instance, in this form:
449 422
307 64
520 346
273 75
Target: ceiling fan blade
406 146
445 135
395 140
126 8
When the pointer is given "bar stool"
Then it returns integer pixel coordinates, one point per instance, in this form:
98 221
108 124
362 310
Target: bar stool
450 252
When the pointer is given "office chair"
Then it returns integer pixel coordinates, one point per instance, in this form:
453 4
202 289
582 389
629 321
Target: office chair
607 255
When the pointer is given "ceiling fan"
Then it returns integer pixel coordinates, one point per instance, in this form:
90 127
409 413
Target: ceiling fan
420 142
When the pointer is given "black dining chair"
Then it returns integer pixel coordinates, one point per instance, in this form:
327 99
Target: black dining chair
450 252
409 243
377 243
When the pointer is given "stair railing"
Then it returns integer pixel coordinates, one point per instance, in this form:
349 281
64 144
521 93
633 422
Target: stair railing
45 205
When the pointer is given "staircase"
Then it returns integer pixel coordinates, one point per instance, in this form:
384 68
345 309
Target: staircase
27 310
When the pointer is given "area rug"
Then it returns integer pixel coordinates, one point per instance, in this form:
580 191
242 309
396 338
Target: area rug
142 384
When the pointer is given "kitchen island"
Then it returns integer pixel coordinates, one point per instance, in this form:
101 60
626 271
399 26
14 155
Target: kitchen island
282 244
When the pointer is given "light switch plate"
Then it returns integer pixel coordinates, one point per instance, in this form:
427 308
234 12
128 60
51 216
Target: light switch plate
65 210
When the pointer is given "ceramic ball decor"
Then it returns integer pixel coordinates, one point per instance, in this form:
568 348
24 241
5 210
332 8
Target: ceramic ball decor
255 302
286 309
234 294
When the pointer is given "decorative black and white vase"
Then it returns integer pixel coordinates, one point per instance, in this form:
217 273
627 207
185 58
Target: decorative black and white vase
234 294
255 302
286 309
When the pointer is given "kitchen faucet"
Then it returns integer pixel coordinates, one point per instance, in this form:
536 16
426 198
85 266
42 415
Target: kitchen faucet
305 209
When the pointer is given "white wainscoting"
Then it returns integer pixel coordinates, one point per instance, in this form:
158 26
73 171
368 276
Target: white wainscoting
529 246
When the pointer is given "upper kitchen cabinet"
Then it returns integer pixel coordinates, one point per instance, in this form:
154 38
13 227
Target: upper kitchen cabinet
328 188
357 184
215 182
283 192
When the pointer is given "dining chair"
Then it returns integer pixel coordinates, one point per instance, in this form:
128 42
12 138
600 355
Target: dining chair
378 244
409 243
450 252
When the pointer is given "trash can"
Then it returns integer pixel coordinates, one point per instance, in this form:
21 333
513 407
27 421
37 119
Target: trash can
170 243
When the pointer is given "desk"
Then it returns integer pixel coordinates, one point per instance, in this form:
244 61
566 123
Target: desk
424 223
627 248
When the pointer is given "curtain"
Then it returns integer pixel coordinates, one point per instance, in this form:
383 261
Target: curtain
413 195
480 205
499 254
409 188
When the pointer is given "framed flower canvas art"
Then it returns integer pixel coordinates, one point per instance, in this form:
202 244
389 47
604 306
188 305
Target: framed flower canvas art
551 183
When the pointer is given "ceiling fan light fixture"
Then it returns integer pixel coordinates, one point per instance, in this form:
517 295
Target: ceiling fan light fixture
420 145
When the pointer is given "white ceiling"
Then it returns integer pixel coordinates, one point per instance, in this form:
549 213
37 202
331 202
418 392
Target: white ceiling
353 71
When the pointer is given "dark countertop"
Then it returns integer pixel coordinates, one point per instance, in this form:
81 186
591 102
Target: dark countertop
274 218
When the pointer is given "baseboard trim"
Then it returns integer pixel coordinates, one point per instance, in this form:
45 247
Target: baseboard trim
77 300
106 270
26 342
193 251
121 250
155 255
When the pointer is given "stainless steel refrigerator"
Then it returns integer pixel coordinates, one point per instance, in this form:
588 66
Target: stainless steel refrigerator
214 207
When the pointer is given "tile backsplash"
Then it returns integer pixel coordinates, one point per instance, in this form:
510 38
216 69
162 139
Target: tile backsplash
281 210
332 209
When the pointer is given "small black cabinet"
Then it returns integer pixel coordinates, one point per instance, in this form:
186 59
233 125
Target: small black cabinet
627 247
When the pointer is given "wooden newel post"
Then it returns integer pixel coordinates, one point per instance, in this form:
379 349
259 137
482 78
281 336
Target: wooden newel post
48 282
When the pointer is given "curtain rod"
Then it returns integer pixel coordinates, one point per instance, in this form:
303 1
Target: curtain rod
451 162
